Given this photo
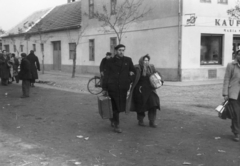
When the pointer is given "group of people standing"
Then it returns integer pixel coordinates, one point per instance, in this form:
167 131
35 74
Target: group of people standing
118 74
9 70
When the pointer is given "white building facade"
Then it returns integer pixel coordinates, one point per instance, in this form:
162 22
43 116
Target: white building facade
186 39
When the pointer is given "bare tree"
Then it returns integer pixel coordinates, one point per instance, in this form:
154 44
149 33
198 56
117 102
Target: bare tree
13 40
43 40
76 42
125 14
234 13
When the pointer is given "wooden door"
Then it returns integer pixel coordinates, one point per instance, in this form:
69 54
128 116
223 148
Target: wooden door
57 60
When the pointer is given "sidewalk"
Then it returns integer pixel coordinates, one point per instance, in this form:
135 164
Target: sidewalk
63 80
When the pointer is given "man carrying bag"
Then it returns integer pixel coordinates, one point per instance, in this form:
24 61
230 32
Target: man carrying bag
231 93
116 82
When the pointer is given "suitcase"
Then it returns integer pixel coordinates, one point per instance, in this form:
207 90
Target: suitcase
105 107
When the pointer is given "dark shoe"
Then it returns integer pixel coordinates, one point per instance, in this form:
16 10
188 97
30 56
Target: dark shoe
24 96
152 124
112 123
141 123
236 138
117 130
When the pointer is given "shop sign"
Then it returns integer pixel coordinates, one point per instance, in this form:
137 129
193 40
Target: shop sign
191 20
223 22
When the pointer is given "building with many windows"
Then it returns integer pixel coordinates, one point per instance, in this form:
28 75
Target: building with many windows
186 39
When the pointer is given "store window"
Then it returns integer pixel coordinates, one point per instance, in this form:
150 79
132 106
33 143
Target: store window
113 43
209 1
211 49
91 50
72 50
223 1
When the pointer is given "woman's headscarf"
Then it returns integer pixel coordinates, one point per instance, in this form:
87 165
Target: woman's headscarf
145 67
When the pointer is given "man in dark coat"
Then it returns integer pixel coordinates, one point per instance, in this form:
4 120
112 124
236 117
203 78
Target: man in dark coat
5 68
117 79
34 66
25 75
15 68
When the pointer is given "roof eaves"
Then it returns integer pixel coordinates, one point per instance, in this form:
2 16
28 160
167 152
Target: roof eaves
40 19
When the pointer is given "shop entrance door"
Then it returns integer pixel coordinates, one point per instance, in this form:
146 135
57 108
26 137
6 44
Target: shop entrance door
57 62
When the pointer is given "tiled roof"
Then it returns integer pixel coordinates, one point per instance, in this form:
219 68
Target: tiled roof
27 23
61 17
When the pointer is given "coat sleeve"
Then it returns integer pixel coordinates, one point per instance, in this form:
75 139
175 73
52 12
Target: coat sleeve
132 68
37 63
102 65
106 74
227 77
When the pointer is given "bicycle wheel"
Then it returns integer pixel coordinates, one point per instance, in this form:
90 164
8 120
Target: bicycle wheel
94 85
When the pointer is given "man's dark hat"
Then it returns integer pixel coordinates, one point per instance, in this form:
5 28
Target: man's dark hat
119 46
23 55
109 53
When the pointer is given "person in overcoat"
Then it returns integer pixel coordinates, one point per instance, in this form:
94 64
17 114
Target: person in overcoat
143 97
15 68
117 79
5 68
25 75
103 63
34 66
231 92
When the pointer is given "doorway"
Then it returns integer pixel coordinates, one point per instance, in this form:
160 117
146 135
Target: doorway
57 60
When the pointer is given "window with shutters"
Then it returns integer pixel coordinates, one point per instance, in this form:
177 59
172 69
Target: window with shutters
72 50
91 50
113 43
91 8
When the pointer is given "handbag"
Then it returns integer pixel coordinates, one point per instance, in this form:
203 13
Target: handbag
225 110
155 80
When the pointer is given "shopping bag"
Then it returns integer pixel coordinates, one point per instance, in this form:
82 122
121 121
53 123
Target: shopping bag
155 80
225 110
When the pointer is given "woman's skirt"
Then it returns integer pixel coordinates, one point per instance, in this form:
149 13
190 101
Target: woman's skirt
145 99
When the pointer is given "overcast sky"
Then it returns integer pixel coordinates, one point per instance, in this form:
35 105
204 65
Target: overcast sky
14 11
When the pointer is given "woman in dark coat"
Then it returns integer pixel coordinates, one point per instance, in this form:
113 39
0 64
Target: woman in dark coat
143 97
34 66
5 68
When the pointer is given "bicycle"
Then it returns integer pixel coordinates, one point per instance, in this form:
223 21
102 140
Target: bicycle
94 85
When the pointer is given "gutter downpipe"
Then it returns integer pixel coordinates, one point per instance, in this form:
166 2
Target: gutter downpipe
180 40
